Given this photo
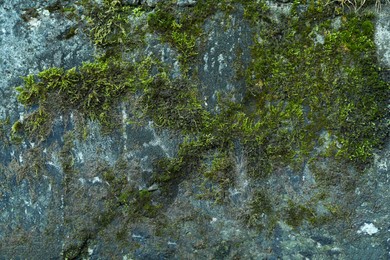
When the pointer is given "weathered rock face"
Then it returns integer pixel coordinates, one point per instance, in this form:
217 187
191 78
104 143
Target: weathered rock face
382 36
175 165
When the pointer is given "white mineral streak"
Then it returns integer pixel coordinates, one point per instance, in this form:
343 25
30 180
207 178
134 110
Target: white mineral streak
368 229
157 141
206 59
80 157
96 180
222 63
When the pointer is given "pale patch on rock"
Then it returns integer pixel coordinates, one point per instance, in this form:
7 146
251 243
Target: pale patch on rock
382 36
368 229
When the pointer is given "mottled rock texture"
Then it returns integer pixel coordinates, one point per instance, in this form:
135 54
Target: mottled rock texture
176 165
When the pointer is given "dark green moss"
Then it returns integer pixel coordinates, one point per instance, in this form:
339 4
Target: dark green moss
109 27
303 88
174 104
91 90
70 33
29 14
219 176
4 130
66 155
296 214
306 78
184 29
124 197
261 213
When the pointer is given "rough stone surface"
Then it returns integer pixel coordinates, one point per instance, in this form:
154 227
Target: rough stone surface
133 2
382 36
182 3
46 212
224 54
150 3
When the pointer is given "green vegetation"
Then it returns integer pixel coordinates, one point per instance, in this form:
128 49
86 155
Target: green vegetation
91 90
4 124
29 14
108 25
66 155
301 87
133 202
174 104
312 75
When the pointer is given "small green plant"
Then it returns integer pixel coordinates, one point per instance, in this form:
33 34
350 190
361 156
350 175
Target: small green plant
138 12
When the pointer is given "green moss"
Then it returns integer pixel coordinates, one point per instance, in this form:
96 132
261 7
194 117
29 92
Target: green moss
124 197
55 7
91 90
5 124
29 14
261 213
66 155
70 33
306 78
301 87
174 104
255 11
219 175
184 29
164 22
296 214
109 27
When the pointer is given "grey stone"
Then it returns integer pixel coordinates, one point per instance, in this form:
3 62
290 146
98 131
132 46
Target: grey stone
215 68
47 213
154 187
150 3
133 2
382 35
183 3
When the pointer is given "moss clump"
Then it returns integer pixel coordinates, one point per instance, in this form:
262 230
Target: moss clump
174 104
91 90
219 176
124 197
29 14
301 86
109 27
184 29
66 155
163 21
296 214
261 213
4 129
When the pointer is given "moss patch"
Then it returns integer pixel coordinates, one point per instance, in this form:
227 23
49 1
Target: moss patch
309 77
311 73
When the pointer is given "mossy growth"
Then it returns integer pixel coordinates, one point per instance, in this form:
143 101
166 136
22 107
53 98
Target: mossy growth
164 21
219 175
5 124
29 14
261 213
134 203
184 29
66 155
109 27
174 104
91 90
309 77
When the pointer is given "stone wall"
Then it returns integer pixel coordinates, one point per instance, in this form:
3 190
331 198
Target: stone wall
152 187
